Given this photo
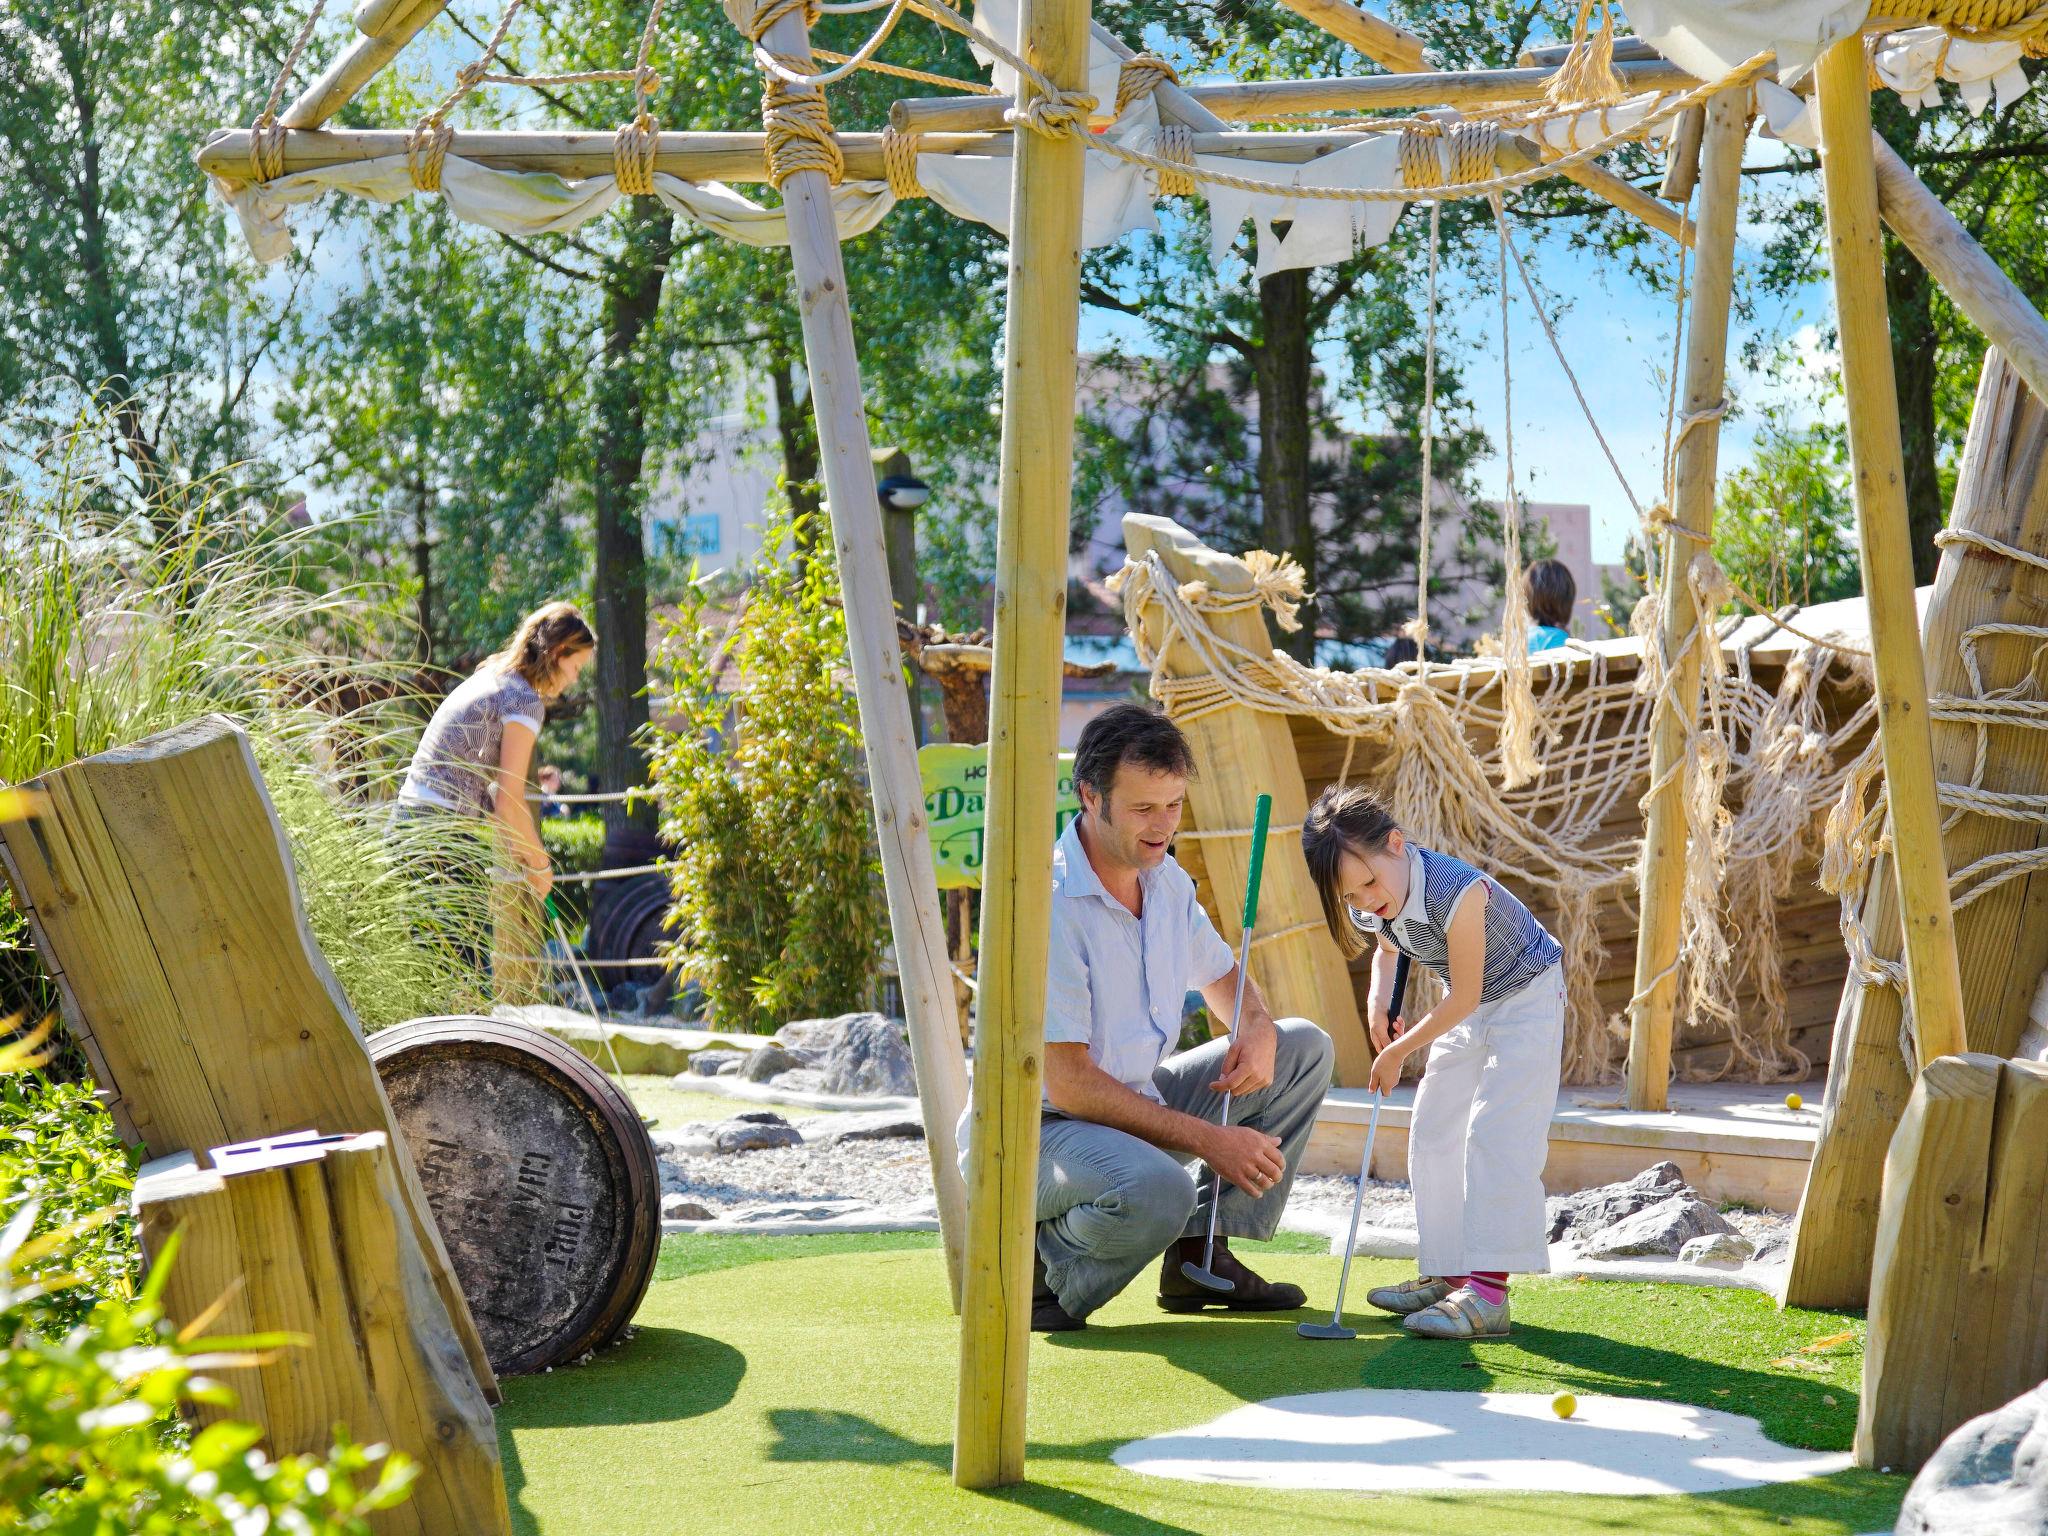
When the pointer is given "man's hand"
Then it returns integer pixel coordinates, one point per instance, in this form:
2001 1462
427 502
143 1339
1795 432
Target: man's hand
1249 1158
1386 1067
1248 1064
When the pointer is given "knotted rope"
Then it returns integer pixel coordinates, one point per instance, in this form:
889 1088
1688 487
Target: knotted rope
899 163
1587 77
1457 154
793 111
267 134
1519 728
1139 76
1176 144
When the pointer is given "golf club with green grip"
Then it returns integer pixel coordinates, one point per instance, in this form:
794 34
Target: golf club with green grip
1334 1328
1202 1274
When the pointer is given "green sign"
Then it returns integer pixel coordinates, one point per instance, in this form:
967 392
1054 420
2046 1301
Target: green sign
956 801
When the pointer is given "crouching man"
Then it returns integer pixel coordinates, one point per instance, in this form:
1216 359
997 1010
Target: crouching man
1121 1121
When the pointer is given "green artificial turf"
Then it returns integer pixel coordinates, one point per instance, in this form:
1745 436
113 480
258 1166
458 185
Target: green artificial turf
805 1384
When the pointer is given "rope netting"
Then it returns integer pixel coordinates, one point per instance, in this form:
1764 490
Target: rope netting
1432 744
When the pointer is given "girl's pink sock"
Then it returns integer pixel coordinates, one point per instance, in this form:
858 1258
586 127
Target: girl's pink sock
1489 1285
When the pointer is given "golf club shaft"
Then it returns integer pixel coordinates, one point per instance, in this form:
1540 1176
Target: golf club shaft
1357 1203
1244 960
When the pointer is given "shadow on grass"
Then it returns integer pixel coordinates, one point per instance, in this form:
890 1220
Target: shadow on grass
808 1435
659 1376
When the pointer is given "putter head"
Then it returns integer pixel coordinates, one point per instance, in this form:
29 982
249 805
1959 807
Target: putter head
1205 1279
1323 1331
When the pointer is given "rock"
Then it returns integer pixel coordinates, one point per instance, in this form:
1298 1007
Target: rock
1665 1227
802 1080
717 1063
766 1061
676 1208
1990 1477
1722 1249
857 1053
756 1132
1774 1249
811 1210
1592 1210
682 1141
883 1125
759 1117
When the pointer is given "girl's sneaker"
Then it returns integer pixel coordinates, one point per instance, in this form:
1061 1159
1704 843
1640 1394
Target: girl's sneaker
1409 1295
1463 1314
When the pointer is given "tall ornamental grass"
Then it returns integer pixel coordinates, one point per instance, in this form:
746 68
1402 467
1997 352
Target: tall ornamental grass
115 625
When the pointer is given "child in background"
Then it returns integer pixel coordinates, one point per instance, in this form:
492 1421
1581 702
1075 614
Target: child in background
1480 1129
1551 592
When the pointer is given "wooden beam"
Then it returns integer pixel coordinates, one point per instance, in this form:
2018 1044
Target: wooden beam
1631 199
1682 164
1662 882
1856 245
2002 937
1627 50
1257 101
1977 284
1241 753
387 26
1175 104
1374 36
909 881
1034 488
1958 1294
309 1239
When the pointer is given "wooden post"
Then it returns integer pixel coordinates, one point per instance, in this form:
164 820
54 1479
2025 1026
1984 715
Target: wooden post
908 878
1662 881
303 1238
387 28
1239 755
160 891
1033 503
1976 283
1856 246
1959 1293
2002 937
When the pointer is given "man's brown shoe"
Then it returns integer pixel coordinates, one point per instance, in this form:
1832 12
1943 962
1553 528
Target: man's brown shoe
1047 1315
1177 1293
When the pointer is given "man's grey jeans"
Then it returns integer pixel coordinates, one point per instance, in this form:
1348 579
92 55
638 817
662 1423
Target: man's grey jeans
1108 1203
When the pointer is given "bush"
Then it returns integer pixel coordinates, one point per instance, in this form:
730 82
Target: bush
778 908
576 846
89 1442
114 626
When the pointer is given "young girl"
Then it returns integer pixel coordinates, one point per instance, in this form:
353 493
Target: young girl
1480 1128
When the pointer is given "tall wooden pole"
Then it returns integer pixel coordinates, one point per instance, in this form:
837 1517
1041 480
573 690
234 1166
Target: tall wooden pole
1856 246
1662 879
1033 500
923 964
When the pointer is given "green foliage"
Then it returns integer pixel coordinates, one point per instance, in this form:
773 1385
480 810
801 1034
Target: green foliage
59 1149
778 913
113 627
1785 526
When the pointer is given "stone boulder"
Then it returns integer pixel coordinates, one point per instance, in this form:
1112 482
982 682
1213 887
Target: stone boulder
1775 1248
882 1125
1663 1228
681 1208
717 1063
756 1131
857 1053
767 1061
1722 1250
1989 1478
1593 1210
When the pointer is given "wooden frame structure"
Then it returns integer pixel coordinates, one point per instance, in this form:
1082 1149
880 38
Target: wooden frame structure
992 1262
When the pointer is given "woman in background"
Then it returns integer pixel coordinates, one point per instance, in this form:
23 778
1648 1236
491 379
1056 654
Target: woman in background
1551 592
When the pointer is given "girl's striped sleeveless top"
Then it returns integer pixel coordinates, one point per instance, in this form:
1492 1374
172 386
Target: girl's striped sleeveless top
1518 948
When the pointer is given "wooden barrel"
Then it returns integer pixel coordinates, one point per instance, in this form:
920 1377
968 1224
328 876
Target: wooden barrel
540 1176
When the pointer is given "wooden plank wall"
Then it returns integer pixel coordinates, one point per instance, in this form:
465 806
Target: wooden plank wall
1815 961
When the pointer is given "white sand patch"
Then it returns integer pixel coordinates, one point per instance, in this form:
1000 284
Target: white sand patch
1371 1441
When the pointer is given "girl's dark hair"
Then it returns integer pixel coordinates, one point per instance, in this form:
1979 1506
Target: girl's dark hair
1344 819
1552 591
1129 733
544 637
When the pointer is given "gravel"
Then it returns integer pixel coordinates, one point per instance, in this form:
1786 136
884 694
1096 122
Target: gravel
896 1173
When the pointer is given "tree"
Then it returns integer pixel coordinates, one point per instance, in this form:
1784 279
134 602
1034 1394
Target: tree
1785 526
119 273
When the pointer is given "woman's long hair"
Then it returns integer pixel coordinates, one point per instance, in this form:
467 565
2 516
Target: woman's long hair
544 637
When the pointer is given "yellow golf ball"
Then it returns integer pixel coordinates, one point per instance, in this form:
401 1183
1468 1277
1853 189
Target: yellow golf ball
1564 1405
1793 1101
